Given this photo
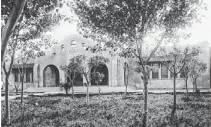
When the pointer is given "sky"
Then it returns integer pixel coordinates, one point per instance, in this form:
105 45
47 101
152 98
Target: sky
200 32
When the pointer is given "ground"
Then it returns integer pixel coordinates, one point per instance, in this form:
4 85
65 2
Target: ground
111 110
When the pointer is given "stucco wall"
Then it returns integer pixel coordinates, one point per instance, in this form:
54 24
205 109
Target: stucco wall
58 56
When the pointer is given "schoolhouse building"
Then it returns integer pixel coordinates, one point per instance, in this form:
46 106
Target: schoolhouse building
45 71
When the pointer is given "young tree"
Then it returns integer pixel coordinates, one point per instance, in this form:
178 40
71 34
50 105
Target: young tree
84 66
129 69
186 69
128 65
80 62
71 71
27 51
196 70
95 63
116 23
98 78
175 62
19 51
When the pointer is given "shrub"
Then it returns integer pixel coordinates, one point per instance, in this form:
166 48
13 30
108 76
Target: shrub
66 87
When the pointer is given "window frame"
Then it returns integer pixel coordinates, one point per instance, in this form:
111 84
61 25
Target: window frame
153 73
162 76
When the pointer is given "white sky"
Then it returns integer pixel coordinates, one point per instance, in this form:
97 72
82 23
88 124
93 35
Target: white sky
199 31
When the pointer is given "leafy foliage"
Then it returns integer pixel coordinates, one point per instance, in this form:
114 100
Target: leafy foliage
197 68
37 15
98 77
119 23
178 59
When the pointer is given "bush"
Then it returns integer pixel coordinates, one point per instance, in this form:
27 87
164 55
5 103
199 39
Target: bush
66 87
198 92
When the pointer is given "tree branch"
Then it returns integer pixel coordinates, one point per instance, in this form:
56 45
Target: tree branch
11 23
4 68
155 49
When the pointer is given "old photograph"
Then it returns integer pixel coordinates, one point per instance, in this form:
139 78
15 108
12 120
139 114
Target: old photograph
105 63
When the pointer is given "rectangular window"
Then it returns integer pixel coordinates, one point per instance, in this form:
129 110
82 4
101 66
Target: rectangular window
172 76
164 71
29 75
182 74
16 75
155 70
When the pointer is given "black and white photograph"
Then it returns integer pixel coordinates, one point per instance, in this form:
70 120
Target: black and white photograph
105 63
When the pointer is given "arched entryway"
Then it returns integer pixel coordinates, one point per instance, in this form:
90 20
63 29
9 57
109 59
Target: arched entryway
102 68
50 76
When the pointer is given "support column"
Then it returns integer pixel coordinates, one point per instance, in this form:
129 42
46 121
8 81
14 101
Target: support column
36 72
159 71
121 73
114 72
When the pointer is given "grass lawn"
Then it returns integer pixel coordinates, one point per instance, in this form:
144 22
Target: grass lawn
110 111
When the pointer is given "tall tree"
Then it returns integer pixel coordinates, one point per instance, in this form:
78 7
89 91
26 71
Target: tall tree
11 23
129 22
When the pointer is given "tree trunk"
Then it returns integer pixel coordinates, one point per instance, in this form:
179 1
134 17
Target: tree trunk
175 93
98 88
126 83
87 88
11 23
87 93
66 92
72 90
22 77
7 111
16 88
145 119
195 84
174 104
126 90
186 85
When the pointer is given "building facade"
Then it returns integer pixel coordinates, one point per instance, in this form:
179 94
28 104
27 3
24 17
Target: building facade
45 71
